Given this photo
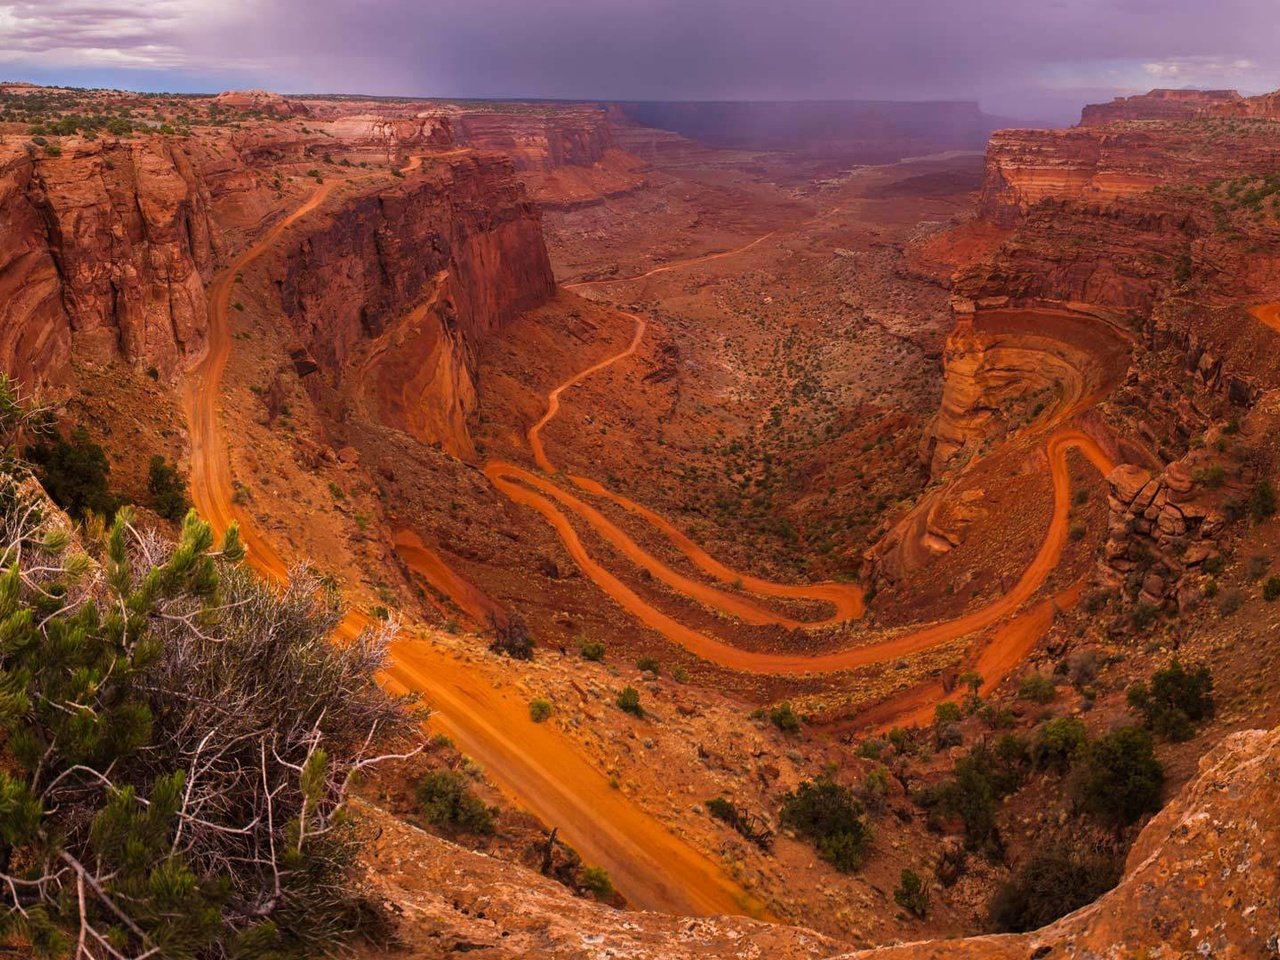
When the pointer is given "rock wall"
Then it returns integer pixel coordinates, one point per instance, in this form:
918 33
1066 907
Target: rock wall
538 141
104 250
1157 105
391 291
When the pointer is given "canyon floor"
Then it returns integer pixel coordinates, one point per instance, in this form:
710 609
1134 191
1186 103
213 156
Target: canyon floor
822 463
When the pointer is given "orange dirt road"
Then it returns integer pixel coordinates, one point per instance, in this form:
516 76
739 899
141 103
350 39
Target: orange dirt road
516 483
532 763
1268 313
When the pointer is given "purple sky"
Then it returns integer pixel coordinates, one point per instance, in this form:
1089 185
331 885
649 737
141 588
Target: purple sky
1021 58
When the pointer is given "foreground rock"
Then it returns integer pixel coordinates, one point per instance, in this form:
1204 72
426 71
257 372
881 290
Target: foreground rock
1201 880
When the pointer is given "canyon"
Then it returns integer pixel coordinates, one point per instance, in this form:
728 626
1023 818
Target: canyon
813 408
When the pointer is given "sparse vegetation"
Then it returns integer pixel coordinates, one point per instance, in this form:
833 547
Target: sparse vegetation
1120 778
1176 700
629 701
828 814
540 709
591 649
1050 885
448 803
785 718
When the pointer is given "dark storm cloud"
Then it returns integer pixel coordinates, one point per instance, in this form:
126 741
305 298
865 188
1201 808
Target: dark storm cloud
1016 55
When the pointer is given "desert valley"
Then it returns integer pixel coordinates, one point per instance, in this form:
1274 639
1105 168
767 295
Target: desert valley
794 529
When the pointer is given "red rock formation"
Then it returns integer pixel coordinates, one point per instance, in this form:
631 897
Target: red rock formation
105 250
541 140
390 293
261 101
1160 104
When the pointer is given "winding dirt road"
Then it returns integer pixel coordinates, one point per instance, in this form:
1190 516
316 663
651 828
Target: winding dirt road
534 764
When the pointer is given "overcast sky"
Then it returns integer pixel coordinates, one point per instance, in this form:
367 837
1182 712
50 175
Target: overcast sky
1021 58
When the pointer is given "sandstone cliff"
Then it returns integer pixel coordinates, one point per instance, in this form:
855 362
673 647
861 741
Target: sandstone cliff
1160 104
389 293
106 247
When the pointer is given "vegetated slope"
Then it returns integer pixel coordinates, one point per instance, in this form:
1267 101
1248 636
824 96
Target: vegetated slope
1218 839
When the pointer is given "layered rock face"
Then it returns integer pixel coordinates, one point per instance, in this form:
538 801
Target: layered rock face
539 141
106 247
1157 105
391 292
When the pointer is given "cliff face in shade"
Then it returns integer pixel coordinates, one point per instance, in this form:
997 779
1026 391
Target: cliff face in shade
391 291
1157 105
1201 880
105 249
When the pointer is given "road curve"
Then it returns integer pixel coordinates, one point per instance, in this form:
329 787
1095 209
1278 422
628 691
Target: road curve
532 763
538 493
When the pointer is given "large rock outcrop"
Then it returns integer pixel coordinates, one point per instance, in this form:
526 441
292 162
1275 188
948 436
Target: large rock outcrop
1159 104
105 248
390 292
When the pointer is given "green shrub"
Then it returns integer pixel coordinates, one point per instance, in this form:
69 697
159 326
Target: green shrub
539 709
74 473
448 803
1049 886
1176 700
912 894
118 675
168 490
828 814
785 718
591 649
1037 688
595 880
1213 476
1271 589
946 713
1262 501
982 777
1120 777
629 701
1058 743
648 665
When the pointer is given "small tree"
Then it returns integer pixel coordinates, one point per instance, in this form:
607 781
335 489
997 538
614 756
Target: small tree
785 718
1176 700
74 472
1120 778
448 803
912 894
1049 886
1058 743
168 490
1037 688
828 814
511 637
